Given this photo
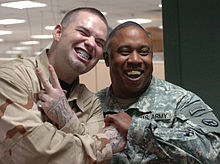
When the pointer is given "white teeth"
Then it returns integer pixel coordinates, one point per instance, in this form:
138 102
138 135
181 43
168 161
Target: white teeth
134 73
83 54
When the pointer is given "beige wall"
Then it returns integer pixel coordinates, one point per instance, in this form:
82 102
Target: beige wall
98 78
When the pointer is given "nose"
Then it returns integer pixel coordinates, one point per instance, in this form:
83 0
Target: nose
90 42
134 59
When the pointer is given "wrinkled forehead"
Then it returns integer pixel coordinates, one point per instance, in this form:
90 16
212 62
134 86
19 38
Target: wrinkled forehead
92 22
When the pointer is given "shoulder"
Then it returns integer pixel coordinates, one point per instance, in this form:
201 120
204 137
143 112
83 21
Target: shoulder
165 93
16 62
17 68
163 87
187 102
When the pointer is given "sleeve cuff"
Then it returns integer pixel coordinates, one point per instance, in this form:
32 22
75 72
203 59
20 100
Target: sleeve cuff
74 126
139 128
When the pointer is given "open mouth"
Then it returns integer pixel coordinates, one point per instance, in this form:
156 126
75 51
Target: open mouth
83 54
134 74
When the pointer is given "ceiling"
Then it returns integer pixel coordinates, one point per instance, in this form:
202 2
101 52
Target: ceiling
38 18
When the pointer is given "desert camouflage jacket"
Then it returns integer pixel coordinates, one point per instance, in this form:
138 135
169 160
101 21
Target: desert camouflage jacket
169 125
26 136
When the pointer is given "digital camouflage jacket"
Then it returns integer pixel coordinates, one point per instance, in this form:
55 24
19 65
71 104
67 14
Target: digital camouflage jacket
169 125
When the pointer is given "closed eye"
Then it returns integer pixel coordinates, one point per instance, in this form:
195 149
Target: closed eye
100 42
83 31
124 50
144 51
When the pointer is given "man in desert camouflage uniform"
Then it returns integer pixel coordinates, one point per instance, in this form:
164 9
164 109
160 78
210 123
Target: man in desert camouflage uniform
31 96
166 123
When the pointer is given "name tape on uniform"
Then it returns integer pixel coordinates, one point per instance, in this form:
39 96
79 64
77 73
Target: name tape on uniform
158 116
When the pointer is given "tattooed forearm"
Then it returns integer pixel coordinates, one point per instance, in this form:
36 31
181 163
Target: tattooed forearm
60 111
116 140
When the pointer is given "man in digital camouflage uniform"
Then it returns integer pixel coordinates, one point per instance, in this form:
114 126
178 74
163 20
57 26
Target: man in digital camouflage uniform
166 123
31 96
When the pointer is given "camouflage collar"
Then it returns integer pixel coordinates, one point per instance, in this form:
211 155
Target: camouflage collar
112 105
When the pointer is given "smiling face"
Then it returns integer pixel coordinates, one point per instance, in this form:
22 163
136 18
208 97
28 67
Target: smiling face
130 61
80 45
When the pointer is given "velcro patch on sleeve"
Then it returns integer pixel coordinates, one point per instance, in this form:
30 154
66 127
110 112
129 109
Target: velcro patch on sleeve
208 121
196 108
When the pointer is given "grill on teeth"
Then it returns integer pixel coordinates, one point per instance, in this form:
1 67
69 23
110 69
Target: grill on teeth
83 54
134 73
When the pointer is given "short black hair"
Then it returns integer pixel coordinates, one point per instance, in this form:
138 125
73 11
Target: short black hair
123 25
72 13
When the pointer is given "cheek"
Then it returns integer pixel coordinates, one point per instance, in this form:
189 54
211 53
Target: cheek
148 61
99 52
119 60
115 75
116 70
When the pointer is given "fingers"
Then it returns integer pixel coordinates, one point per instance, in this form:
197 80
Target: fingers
121 120
109 119
43 79
43 96
54 78
112 118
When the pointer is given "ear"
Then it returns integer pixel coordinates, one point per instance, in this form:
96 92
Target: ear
57 32
106 58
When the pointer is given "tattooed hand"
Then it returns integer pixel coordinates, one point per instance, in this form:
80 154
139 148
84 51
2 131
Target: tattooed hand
116 140
54 102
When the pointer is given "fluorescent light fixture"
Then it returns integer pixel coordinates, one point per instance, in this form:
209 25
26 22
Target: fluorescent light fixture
1 40
49 27
160 5
11 21
30 42
13 52
42 36
137 20
4 32
23 4
21 48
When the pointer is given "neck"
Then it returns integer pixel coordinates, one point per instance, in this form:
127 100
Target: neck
63 72
127 94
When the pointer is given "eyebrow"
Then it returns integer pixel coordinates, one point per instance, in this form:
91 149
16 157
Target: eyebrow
96 37
128 46
124 46
146 46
